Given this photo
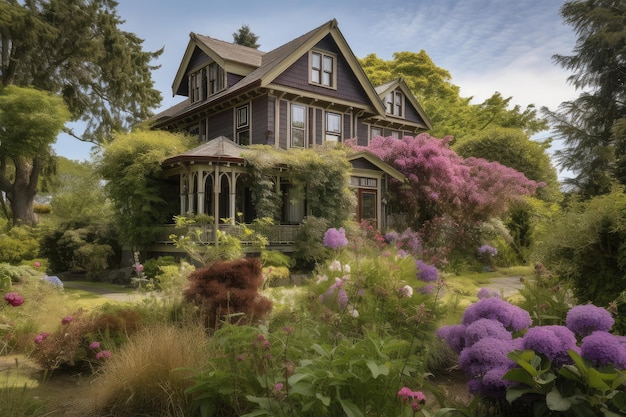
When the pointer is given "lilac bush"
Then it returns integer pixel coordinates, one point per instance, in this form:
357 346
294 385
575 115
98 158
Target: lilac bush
425 272
487 250
585 319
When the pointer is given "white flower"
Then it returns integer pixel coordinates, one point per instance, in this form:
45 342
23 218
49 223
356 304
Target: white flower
406 291
335 266
321 278
346 268
354 313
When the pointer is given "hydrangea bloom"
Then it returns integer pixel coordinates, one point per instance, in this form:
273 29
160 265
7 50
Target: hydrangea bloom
406 291
335 238
585 319
486 354
491 385
603 348
485 292
425 272
487 250
14 299
454 336
391 236
483 328
513 317
551 341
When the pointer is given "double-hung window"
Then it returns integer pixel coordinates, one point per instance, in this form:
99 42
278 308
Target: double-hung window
215 78
333 127
298 126
323 69
242 123
394 103
197 86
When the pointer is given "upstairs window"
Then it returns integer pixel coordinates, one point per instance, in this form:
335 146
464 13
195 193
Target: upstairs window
333 127
323 69
394 103
242 124
215 76
197 86
298 126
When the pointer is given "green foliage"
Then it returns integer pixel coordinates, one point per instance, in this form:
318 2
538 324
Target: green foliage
131 164
585 246
276 259
82 248
310 249
322 174
173 278
19 243
152 267
545 297
244 36
513 148
572 390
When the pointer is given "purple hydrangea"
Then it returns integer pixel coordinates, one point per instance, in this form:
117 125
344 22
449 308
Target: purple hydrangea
486 354
454 336
585 319
491 385
604 348
487 250
551 341
483 328
425 272
335 238
391 236
512 317
485 292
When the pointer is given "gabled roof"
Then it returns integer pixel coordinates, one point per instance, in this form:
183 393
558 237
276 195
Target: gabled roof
218 149
265 67
237 59
385 89
378 163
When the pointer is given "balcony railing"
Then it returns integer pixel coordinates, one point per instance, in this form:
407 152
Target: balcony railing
277 235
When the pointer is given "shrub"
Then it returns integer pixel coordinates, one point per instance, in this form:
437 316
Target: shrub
152 267
310 249
229 290
19 243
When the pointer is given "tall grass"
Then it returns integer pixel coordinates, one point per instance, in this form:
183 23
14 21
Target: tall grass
144 378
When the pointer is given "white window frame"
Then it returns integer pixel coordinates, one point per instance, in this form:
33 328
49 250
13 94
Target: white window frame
320 73
394 103
331 134
242 124
215 79
297 128
375 132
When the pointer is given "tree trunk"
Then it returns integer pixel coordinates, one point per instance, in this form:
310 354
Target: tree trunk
21 193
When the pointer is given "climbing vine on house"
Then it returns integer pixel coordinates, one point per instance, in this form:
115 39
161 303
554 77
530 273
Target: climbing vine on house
322 175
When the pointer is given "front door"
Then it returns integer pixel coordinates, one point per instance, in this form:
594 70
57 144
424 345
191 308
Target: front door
366 208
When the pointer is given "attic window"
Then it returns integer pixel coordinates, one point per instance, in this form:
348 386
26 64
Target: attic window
394 103
215 76
323 69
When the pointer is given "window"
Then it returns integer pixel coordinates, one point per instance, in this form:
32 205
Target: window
323 69
298 126
333 127
375 132
216 78
394 103
197 86
395 134
242 123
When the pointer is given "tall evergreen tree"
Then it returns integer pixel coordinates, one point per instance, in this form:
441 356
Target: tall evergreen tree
244 36
593 126
74 49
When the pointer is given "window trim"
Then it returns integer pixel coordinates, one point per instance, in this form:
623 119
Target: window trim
245 126
321 69
298 128
337 134
395 103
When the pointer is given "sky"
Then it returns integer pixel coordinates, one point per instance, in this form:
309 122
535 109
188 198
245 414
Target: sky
486 45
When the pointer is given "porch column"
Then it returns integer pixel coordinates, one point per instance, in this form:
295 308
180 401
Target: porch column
232 200
190 191
200 188
216 201
182 186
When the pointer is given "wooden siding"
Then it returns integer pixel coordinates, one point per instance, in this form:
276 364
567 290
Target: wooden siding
220 124
232 79
282 133
362 163
261 121
348 86
347 126
319 126
362 134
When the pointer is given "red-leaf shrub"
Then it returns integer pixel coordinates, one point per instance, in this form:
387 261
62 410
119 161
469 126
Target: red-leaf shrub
229 290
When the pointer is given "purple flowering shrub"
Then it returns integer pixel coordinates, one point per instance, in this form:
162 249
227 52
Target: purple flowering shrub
497 348
335 238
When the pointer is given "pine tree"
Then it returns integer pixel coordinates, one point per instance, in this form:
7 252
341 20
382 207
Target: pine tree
246 37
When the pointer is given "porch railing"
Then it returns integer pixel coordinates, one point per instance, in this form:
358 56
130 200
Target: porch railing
277 235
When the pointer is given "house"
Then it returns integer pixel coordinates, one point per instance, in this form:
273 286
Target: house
306 93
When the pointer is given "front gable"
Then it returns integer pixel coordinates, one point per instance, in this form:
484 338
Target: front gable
411 111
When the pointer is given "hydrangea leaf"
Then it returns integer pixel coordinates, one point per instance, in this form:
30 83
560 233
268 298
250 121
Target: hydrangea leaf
556 402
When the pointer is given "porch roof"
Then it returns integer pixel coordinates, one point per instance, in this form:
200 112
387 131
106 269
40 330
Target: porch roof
219 149
378 163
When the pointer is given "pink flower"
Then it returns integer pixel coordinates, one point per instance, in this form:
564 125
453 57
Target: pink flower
67 320
36 264
406 393
278 386
14 299
103 355
94 345
41 337
138 267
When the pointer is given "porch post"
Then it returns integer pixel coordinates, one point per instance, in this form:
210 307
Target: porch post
200 185
233 193
217 187
190 191
182 186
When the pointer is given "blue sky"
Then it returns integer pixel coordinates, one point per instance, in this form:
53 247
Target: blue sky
486 45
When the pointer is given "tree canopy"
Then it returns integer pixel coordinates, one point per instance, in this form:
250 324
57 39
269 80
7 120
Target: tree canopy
75 48
451 114
593 126
244 36
30 121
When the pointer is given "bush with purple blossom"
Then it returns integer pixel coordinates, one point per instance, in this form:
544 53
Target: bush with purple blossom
603 348
553 342
335 238
586 319
511 316
425 272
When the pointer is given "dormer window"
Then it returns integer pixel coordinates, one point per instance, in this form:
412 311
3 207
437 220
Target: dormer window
323 69
394 104
215 75
197 86
205 82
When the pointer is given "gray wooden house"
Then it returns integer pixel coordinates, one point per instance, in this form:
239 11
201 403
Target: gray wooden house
305 93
